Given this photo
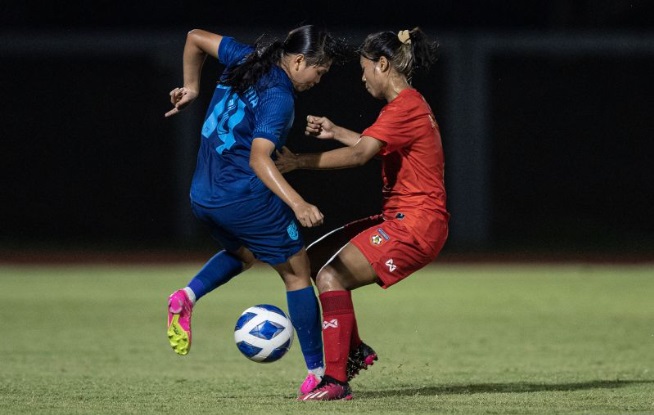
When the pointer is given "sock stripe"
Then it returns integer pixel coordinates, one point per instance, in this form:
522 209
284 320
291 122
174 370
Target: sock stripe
336 302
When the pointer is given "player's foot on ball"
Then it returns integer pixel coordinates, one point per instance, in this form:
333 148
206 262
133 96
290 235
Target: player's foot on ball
309 384
359 359
179 322
329 389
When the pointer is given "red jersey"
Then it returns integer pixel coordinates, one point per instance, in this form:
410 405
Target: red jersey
412 162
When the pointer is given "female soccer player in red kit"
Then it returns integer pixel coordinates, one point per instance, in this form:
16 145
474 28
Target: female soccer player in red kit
413 225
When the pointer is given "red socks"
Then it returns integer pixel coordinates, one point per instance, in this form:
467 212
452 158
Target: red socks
338 325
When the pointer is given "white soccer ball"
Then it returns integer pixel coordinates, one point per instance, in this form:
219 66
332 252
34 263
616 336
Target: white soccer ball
263 333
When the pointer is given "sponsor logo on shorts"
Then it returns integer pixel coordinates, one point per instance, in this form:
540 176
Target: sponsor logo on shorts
292 231
383 234
376 239
391 266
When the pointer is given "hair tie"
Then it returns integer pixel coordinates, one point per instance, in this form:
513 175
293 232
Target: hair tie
404 36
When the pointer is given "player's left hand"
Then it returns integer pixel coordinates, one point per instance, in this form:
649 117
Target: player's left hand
180 98
286 160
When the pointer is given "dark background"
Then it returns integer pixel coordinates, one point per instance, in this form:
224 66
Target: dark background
88 160
510 15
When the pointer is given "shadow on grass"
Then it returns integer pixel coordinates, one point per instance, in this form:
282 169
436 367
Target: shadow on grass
502 388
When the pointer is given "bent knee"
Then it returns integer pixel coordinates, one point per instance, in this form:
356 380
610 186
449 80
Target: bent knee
328 279
245 256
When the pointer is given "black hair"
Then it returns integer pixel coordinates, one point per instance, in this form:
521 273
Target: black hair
416 52
317 46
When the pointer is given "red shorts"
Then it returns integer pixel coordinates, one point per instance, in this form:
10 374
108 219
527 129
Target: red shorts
395 252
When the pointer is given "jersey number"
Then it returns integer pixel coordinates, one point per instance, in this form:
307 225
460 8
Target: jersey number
220 123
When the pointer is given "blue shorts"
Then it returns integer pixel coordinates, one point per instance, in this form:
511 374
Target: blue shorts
265 225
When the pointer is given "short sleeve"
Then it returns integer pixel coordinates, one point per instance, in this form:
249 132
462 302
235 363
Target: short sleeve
392 128
231 52
274 115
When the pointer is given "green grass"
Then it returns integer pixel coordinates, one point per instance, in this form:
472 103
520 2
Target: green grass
491 339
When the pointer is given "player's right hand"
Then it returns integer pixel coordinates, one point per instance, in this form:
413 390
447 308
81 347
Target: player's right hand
308 215
319 127
286 160
180 98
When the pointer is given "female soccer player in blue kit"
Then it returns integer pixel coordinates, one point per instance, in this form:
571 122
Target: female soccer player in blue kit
249 207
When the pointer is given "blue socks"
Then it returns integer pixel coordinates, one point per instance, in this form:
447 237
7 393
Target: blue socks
217 271
305 314
303 305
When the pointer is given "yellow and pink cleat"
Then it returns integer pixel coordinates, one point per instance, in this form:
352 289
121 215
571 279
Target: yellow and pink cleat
180 309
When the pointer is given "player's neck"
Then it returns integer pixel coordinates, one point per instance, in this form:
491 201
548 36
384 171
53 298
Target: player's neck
395 86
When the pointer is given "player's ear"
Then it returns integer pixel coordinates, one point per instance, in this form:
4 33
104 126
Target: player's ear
384 64
297 61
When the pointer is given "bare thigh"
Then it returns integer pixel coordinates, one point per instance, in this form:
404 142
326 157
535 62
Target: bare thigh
322 250
347 270
295 272
245 256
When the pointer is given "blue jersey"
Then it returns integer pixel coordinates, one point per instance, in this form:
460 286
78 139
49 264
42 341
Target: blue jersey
223 174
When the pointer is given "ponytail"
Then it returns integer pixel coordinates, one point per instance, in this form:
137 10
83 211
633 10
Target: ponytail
245 75
407 51
318 48
424 51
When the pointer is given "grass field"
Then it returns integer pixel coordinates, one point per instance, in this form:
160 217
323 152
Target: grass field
478 339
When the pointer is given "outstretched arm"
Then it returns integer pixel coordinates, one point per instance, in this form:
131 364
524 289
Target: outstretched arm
352 156
199 44
359 149
324 129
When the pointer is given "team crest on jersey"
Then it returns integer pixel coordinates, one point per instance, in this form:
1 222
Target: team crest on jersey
376 239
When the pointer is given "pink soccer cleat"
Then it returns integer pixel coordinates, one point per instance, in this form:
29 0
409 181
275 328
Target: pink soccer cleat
179 322
309 384
328 389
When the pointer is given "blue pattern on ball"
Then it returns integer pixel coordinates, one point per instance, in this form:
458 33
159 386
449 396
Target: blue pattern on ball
272 308
267 330
277 353
245 317
247 349
258 333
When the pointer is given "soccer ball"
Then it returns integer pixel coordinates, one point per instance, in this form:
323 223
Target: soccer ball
263 333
